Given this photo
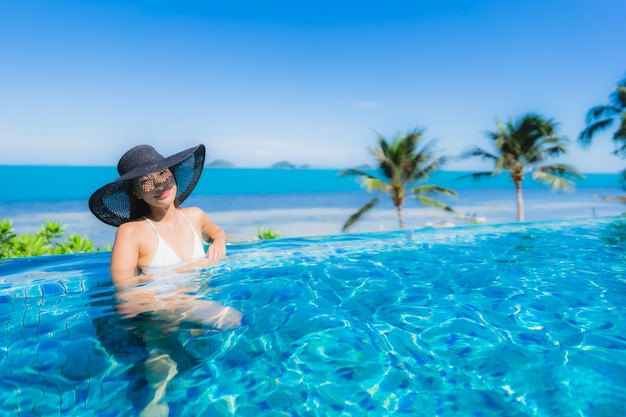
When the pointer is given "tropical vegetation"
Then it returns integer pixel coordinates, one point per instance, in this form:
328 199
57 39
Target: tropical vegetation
47 241
265 233
604 116
401 164
521 147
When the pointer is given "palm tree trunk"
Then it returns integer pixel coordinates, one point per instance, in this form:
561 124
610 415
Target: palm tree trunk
400 220
520 201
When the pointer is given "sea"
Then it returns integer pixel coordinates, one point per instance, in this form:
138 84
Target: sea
299 202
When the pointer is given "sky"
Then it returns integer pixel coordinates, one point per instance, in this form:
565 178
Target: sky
309 82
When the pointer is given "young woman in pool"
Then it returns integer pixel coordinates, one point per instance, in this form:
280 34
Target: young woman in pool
157 238
156 242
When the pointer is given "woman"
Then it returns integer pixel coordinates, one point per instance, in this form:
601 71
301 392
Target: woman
157 238
156 242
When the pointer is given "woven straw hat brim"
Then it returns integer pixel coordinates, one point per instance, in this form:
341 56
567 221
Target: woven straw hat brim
168 162
111 203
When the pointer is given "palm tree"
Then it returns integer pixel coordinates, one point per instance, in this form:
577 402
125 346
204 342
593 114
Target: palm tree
521 147
603 117
401 164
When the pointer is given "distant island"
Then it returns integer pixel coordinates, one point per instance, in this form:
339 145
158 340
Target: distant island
289 165
220 163
223 163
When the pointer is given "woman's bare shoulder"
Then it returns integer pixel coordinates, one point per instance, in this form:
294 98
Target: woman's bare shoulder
194 212
132 227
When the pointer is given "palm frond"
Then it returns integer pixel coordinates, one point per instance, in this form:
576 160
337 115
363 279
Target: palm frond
366 180
382 156
374 184
562 170
618 97
475 176
382 143
422 174
356 216
600 112
410 141
556 182
428 149
503 161
603 116
620 151
585 136
431 202
413 162
433 164
620 134
476 151
553 151
433 189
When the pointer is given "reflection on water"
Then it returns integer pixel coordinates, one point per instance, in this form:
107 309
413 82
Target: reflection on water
155 311
517 319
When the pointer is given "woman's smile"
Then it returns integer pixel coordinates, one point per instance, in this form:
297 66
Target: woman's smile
163 195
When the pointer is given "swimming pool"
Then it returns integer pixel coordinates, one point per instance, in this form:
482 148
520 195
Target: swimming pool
504 320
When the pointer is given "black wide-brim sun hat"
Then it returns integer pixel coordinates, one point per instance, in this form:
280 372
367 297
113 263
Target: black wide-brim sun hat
114 203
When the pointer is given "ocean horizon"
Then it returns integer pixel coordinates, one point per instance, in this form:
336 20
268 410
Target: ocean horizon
296 202
58 183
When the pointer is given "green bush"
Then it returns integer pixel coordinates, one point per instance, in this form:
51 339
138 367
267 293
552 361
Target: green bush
267 233
47 241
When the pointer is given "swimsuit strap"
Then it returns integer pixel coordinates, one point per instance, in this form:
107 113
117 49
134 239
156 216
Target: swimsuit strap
198 246
157 232
153 227
190 225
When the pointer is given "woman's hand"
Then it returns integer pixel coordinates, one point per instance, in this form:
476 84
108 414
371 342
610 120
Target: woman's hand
217 249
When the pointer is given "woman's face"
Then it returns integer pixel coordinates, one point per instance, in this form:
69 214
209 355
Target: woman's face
156 188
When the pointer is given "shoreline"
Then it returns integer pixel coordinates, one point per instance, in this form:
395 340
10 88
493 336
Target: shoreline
323 214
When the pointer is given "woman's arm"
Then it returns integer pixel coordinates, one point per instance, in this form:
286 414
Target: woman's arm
125 276
217 249
211 232
125 257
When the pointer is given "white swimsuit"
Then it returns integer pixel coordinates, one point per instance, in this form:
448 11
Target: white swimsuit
166 258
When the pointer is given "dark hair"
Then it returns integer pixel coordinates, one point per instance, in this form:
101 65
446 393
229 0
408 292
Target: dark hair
138 207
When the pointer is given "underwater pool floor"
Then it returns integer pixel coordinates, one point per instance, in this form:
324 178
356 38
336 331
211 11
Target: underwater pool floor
508 320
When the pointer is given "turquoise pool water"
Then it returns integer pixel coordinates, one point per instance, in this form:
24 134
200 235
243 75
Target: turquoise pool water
502 320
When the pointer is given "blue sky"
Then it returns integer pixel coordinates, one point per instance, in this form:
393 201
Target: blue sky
308 82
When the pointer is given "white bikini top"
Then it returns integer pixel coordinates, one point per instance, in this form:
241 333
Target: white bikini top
166 258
